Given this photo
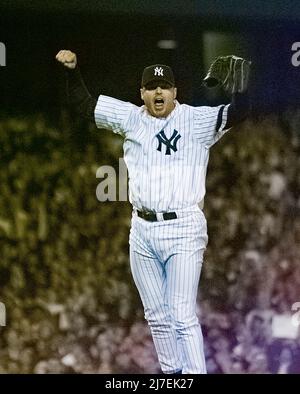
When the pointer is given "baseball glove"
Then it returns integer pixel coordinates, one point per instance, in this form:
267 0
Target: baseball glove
231 72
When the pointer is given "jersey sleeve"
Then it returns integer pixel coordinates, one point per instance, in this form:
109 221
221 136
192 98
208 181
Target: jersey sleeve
209 123
113 114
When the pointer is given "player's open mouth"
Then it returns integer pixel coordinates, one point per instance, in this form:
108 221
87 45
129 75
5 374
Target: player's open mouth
158 103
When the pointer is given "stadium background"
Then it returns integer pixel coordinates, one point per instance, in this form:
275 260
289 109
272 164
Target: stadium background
71 306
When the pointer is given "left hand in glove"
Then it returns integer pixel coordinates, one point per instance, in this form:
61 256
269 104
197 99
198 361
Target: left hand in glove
231 72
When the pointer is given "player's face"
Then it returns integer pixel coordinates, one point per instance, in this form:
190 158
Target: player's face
159 100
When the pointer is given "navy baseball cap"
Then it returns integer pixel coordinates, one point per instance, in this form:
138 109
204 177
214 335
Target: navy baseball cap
158 73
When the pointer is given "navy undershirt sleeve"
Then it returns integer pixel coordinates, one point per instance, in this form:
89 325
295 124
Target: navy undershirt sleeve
238 110
78 95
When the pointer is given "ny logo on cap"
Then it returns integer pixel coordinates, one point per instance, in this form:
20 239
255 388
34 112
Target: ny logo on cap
159 71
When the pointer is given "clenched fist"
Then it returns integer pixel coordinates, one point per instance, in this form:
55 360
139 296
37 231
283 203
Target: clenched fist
67 58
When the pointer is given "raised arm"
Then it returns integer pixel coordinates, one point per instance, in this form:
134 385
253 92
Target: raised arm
79 97
238 110
232 73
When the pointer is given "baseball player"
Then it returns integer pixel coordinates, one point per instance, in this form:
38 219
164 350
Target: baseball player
166 149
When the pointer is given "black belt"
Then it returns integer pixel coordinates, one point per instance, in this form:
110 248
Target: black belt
152 217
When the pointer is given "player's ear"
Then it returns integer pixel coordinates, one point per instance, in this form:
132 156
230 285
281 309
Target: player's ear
142 90
175 93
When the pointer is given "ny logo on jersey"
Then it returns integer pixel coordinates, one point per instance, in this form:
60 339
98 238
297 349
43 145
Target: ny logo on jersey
170 143
159 71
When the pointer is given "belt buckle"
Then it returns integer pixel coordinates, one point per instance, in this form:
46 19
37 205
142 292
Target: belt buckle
160 217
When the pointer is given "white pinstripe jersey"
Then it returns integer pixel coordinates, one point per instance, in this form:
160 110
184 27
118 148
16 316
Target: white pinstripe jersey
163 175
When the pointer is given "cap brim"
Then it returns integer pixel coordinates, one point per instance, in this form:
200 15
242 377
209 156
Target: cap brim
156 80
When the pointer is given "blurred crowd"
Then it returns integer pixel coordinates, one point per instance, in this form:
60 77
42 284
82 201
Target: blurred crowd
64 270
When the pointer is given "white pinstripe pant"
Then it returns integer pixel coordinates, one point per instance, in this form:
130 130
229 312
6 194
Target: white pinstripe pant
166 259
